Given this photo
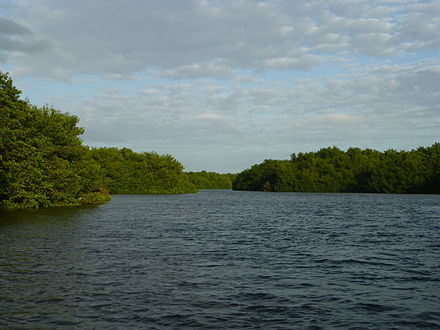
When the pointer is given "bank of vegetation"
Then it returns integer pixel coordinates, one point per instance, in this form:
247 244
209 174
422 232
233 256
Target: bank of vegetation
355 170
43 162
211 180
129 172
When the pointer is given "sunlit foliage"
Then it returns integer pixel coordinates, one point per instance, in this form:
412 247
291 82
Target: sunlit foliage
44 163
42 160
129 172
354 170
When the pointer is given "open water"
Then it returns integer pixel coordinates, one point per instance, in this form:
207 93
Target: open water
225 260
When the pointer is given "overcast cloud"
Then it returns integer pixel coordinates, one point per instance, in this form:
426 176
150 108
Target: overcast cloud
222 85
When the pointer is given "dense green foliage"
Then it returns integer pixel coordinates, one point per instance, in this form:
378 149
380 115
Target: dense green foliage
129 172
42 160
44 163
211 180
355 170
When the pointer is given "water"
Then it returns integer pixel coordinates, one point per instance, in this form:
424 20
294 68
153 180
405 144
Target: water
225 260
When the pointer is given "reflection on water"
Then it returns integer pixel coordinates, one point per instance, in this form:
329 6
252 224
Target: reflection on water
225 259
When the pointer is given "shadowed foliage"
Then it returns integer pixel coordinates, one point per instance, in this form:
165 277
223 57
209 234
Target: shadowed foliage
211 180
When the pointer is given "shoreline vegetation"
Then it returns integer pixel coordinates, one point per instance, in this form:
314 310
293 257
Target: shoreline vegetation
352 171
43 163
211 180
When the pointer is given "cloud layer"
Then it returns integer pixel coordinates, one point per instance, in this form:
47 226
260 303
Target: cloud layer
224 84
212 38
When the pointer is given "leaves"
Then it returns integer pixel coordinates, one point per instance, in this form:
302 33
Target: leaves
129 172
40 151
356 170
211 180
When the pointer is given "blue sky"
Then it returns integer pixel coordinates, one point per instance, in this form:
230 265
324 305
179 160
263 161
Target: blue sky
222 85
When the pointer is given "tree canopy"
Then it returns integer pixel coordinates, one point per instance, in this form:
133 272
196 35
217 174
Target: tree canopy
43 161
355 170
128 172
211 180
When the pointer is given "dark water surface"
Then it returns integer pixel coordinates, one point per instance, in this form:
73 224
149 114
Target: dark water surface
225 260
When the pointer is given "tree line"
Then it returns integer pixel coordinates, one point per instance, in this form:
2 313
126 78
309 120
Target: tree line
355 170
211 180
44 163
129 172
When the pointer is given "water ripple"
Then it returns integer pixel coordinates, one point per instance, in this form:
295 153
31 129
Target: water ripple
225 260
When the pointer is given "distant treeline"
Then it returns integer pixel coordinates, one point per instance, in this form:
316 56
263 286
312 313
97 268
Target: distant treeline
211 180
44 163
354 170
128 172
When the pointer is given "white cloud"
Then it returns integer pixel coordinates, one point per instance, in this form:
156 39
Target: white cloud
233 80
382 106
212 117
339 118
195 70
194 39
303 62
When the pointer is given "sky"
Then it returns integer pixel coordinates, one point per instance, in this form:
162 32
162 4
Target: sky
223 85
